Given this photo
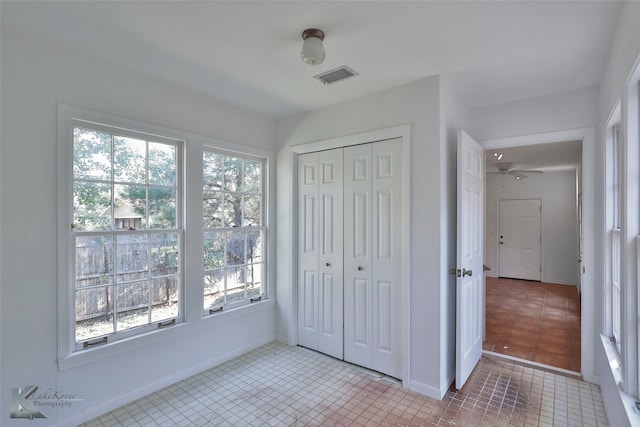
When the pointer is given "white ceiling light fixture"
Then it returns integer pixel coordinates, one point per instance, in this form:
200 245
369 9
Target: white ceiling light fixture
312 48
498 155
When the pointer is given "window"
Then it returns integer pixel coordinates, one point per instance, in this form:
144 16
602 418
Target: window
234 233
615 262
126 233
622 216
134 209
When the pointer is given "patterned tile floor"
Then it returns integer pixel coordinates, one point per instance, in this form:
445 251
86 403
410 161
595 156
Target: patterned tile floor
535 321
277 385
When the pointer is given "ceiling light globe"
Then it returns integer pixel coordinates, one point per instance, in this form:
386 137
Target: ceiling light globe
312 51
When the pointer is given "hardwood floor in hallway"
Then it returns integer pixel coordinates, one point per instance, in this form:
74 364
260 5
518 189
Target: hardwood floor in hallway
534 321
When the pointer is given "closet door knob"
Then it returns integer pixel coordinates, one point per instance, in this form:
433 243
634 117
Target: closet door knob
359 268
328 264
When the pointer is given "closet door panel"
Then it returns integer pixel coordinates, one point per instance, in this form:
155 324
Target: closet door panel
330 339
358 346
386 184
320 252
308 250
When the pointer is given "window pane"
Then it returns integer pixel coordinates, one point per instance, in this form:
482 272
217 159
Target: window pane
232 174
132 257
165 298
252 211
235 248
212 171
236 282
254 280
91 206
254 246
165 250
232 209
133 305
162 164
212 209
94 260
93 313
252 176
129 160
214 249
91 154
130 208
162 208
214 289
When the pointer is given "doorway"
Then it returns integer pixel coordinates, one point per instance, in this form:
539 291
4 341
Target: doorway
533 309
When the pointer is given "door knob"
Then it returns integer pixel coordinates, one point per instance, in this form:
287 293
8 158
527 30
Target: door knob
359 268
501 243
467 273
328 264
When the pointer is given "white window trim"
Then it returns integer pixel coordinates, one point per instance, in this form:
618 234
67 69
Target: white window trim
613 261
191 304
631 312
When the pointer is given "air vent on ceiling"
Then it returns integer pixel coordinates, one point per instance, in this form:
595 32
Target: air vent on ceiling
336 75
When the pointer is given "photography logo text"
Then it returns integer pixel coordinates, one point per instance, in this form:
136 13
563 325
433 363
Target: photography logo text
26 402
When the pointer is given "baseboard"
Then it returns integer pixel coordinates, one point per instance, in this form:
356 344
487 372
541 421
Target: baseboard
427 390
123 399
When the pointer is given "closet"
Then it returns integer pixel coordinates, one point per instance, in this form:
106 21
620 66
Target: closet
349 250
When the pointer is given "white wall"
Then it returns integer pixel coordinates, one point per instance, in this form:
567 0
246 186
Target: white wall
557 190
453 117
34 78
418 105
556 112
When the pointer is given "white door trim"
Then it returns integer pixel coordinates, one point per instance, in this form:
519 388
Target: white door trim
587 136
401 131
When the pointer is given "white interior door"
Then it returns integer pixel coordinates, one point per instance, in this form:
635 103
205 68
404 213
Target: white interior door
373 274
469 257
519 239
320 252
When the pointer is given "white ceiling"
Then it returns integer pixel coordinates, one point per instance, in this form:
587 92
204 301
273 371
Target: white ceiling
549 157
247 53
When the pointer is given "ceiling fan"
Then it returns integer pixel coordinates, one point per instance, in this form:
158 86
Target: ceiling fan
506 168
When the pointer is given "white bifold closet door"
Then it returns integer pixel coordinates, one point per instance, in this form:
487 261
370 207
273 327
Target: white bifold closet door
372 267
349 266
320 259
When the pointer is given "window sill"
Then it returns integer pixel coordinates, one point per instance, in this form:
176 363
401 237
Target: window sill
92 355
628 402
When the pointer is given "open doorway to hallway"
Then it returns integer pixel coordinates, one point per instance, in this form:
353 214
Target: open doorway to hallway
534 321
537 319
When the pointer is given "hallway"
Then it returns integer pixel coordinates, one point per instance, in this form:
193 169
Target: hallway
535 321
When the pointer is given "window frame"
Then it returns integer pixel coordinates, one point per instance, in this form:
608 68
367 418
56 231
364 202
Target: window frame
261 227
193 319
613 196
68 119
147 231
626 114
